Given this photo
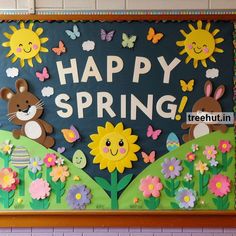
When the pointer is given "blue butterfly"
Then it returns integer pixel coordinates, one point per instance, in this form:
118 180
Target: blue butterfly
73 34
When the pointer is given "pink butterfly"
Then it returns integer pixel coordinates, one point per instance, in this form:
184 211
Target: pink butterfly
149 158
154 134
44 75
107 36
61 49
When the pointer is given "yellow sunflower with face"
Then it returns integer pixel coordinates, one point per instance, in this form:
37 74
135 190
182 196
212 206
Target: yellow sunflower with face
200 44
25 44
114 147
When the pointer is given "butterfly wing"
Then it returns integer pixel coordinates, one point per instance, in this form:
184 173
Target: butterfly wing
157 38
103 34
62 47
156 134
71 34
131 41
152 156
125 40
57 51
151 33
145 157
110 35
76 31
183 85
45 73
149 131
40 76
190 85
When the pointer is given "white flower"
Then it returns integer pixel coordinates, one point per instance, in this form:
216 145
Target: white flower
6 147
213 162
188 177
60 161
195 147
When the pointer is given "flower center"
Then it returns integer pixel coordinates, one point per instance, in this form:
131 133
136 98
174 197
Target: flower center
171 168
224 145
6 178
150 186
186 198
59 172
218 185
49 159
78 196
35 163
6 148
210 152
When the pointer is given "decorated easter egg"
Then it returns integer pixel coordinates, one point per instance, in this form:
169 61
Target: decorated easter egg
172 142
79 159
20 157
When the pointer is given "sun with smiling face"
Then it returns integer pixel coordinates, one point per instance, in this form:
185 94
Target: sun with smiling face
25 44
114 147
200 44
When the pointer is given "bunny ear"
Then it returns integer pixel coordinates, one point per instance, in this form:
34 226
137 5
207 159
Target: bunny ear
208 88
21 86
6 94
219 92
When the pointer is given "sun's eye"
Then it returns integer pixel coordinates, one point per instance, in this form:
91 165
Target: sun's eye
108 143
121 143
30 43
204 46
194 43
20 45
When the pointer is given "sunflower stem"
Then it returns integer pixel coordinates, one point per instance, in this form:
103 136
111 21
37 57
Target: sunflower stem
22 182
224 161
114 199
201 184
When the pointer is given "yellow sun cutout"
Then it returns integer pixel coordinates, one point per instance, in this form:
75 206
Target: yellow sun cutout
25 44
114 147
200 44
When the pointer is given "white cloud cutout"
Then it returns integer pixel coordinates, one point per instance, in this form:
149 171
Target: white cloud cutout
47 91
88 45
12 72
212 73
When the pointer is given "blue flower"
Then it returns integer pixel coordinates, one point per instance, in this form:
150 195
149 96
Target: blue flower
35 164
186 198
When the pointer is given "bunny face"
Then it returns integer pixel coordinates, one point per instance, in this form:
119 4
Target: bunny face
209 104
23 106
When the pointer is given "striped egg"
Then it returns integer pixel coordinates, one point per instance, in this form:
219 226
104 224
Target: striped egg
20 157
172 142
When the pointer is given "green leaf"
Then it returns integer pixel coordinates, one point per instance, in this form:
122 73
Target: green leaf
225 199
229 161
168 192
204 190
168 184
124 182
185 184
152 203
11 194
206 178
187 164
10 202
39 175
225 206
62 192
103 183
215 200
31 175
174 205
176 184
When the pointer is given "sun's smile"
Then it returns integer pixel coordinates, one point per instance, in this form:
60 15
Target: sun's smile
25 44
114 147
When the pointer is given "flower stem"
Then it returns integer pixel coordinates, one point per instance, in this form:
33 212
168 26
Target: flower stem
191 168
22 182
114 199
200 184
58 191
224 161
172 187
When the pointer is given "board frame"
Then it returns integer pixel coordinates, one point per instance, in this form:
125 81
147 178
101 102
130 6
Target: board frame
118 218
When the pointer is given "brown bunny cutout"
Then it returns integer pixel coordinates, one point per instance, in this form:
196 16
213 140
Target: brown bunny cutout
25 109
205 104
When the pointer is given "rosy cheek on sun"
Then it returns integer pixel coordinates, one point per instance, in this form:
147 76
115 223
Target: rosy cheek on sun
122 150
205 50
105 149
35 47
18 50
190 46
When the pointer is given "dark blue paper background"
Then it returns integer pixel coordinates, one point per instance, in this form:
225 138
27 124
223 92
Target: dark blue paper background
150 83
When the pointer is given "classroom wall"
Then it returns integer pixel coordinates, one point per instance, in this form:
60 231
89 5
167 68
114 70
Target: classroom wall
45 5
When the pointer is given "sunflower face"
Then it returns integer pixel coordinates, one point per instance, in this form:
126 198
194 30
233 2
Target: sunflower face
114 147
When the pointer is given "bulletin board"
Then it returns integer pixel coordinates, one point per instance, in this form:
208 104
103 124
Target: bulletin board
93 121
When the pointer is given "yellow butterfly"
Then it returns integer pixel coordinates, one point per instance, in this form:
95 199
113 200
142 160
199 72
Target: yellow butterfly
187 86
153 36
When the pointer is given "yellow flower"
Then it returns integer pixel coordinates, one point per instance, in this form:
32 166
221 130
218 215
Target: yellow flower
6 147
114 147
59 172
202 167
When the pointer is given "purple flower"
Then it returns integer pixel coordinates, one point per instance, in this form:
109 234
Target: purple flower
78 197
171 168
186 198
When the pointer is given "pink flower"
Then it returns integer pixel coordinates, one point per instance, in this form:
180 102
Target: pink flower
190 156
219 185
224 146
39 189
50 159
150 186
210 152
8 179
